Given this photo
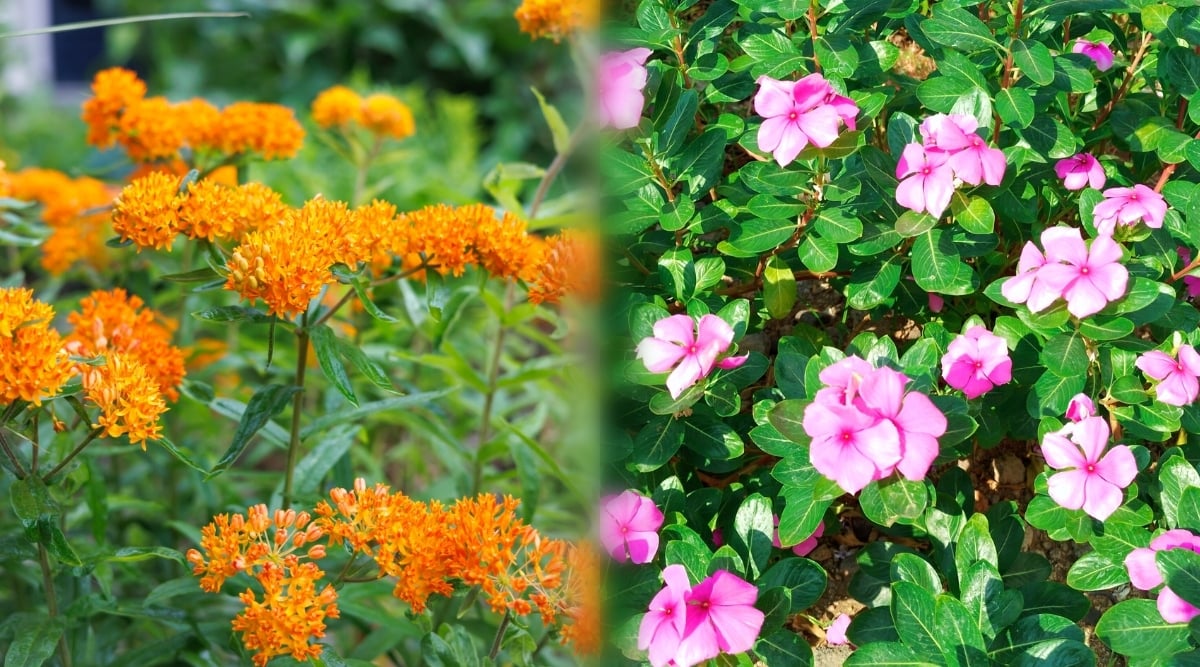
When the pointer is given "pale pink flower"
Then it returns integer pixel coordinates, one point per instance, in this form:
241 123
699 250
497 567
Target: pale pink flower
621 79
1125 206
691 348
840 380
918 422
1080 171
1092 480
1088 278
662 628
1178 379
1020 287
1081 407
977 361
927 180
798 113
1099 52
947 133
629 524
835 635
1145 575
721 618
1191 282
970 158
849 446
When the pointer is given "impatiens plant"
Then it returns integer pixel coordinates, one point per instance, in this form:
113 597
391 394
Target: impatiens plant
952 247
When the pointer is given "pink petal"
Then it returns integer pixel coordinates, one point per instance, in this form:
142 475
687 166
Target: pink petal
820 125
1103 498
823 420
1143 570
685 375
728 589
1173 539
623 506
911 160
1178 389
1080 408
1064 244
1001 373
774 97
1111 280
1175 609
920 450
737 627
1155 364
659 356
646 516
977 386
1104 250
879 444
1189 358
1017 288
994 163
920 415
642 547
966 166
883 391
911 193
1118 466
729 363
1067 488
714 330
1091 435
959 372
770 133
811 91
677 329
939 187
1084 299
791 142
613 541
1061 453
624 107
699 645
1076 180
836 634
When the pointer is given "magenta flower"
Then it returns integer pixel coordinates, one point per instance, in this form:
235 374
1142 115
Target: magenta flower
721 618
917 421
1145 575
1092 480
1020 288
849 446
1178 379
663 626
948 133
835 635
970 158
1080 171
1191 282
799 113
928 180
691 348
936 303
1100 53
1088 278
976 362
1080 408
1126 206
629 524
621 79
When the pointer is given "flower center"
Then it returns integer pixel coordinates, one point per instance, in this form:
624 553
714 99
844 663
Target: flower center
978 364
1179 366
1133 197
1084 270
1091 467
704 605
926 170
793 115
691 349
624 529
847 436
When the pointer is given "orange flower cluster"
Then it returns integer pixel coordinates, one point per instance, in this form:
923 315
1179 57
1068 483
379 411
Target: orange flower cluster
128 396
153 128
570 265
152 210
556 19
33 364
339 107
114 321
279 551
69 208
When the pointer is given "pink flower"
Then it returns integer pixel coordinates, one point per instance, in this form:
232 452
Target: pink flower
721 618
663 626
917 421
970 158
808 544
1126 206
1080 408
629 525
947 132
928 180
1178 379
840 380
976 362
1100 53
1080 171
849 446
836 634
1089 481
621 79
1020 287
1088 278
1145 575
691 349
936 303
797 113
1192 282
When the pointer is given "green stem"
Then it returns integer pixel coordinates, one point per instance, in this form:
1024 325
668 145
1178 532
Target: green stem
489 399
52 602
499 636
297 408
92 435
360 175
12 457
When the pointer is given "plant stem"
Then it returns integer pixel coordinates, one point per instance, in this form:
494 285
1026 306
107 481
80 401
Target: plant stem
92 435
499 636
21 474
552 172
52 602
297 408
360 175
812 31
489 399
1133 65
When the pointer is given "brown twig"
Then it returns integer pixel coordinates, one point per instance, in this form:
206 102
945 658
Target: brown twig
1133 65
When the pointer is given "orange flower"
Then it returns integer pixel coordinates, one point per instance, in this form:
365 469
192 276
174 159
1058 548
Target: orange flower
443 236
504 247
556 18
213 211
82 241
198 121
580 602
380 237
113 90
233 544
70 208
147 211
151 129
388 116
33 364
571 265
118 322
128 396
337 107
270 130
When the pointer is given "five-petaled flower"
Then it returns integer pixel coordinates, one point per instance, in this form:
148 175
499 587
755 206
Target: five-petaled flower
1178 377
1081 407
692 348
799 113
621 79
927 180
1088 278
1125 206
1090 479
976 362
1080 171
629 524
686 626
1145 575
